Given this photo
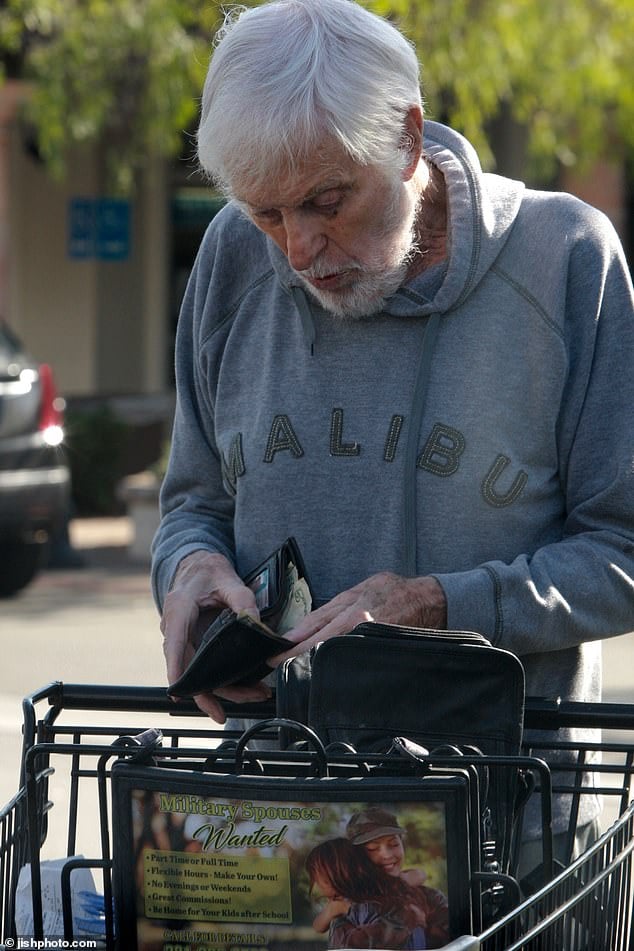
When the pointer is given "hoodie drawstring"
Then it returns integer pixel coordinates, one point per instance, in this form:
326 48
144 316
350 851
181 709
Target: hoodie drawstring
419 396
305 315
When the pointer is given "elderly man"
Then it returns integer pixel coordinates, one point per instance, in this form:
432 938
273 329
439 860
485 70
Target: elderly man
421 371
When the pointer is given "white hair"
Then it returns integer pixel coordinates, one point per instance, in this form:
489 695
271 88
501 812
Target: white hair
291 77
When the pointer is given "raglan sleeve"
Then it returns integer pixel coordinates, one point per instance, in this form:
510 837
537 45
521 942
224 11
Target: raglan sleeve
581 587
196 509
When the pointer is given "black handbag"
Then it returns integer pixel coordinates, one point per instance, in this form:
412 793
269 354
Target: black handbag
383 680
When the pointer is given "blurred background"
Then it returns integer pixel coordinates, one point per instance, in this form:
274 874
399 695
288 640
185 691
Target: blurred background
101 212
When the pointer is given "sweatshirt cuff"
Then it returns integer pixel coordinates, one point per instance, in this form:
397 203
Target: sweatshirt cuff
472 602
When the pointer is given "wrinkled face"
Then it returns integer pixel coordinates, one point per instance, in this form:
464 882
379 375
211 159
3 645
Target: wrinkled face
387 852
346 229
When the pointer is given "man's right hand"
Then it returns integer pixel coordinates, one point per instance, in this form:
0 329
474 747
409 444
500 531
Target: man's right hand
204 582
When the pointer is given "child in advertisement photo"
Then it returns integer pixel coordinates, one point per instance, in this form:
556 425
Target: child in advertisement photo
365 908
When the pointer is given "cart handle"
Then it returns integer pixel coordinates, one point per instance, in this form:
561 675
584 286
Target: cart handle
540 712
116 697
70 696
543 714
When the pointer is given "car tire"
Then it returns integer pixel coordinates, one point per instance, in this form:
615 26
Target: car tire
20 562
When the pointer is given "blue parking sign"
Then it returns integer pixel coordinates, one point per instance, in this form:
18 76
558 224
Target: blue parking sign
99 228
112 229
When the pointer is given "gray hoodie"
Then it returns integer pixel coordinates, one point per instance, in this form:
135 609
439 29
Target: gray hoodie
480 429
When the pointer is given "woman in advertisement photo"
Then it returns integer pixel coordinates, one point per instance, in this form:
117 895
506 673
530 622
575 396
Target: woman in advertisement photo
365 907
376 830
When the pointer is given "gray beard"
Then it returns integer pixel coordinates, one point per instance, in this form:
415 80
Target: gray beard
364 298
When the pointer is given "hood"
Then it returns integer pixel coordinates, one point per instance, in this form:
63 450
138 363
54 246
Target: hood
481 211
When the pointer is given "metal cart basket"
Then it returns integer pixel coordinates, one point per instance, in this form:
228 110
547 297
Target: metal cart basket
73 734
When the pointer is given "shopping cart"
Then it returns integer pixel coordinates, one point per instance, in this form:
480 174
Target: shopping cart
76 736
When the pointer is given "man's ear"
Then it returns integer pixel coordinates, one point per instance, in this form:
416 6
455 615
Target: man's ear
411 144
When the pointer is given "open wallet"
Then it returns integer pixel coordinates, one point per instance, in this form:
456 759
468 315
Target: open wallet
234 648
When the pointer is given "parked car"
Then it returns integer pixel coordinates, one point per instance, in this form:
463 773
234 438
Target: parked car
34 479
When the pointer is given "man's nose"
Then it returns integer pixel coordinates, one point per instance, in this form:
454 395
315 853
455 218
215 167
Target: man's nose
304 239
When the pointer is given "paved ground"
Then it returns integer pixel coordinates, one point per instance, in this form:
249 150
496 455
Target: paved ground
98 625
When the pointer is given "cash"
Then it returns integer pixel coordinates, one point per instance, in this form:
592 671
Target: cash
298 602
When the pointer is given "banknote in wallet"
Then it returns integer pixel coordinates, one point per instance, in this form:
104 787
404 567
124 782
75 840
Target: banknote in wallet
234 648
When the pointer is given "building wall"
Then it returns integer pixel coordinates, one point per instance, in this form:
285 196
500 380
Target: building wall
101 324
52 298
119 354
604 185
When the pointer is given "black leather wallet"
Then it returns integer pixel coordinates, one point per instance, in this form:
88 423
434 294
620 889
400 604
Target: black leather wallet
234 647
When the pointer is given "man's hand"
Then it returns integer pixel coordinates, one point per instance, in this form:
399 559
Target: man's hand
414 602
204 583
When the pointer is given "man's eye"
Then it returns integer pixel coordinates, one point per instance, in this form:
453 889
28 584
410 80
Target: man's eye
269 215
327 201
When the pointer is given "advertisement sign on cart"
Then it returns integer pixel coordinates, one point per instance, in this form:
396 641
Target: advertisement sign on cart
212 869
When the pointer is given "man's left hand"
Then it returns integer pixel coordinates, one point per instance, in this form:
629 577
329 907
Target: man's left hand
413 602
